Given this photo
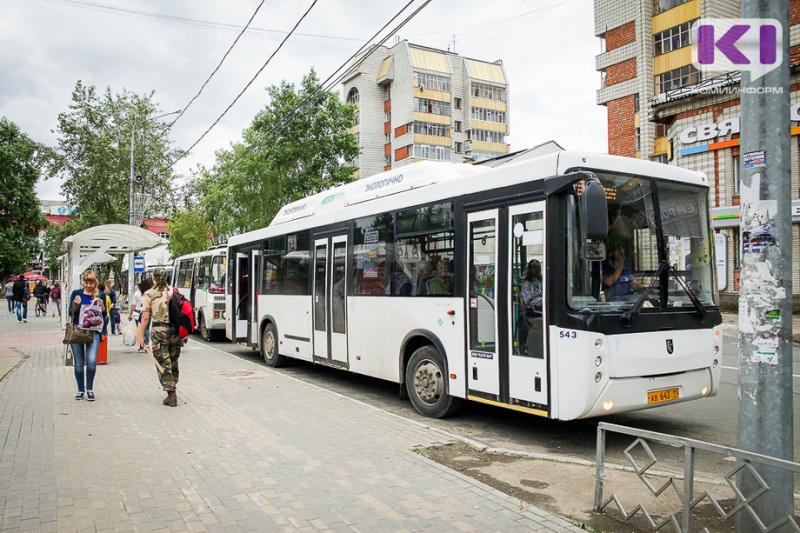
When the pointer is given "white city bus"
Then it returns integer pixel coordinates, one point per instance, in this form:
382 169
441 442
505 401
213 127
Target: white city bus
345 278
200 277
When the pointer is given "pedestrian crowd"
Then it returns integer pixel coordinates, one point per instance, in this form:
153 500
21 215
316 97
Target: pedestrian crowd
148 309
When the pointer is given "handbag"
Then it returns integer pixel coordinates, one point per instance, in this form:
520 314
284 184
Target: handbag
76 335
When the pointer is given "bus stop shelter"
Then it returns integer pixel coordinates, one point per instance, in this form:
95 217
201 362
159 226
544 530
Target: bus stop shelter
97 246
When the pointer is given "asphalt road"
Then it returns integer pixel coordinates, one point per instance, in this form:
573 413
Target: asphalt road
711 420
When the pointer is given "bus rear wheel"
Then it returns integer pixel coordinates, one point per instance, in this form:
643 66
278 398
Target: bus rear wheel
269 348
426 382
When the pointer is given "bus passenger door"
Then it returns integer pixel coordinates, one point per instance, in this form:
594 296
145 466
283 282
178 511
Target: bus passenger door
255 268
241 298
527 366
338 307
482 332
320 298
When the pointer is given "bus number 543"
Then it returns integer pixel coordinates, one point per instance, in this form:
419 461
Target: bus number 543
568 334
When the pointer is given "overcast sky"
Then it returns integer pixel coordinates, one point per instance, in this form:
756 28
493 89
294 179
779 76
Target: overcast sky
171 46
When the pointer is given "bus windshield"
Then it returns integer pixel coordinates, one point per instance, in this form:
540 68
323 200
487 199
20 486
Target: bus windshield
639 209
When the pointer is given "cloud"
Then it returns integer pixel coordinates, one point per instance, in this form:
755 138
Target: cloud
144 46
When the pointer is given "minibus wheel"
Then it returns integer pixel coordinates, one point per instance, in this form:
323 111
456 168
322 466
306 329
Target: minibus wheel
269 347
205 333
426 382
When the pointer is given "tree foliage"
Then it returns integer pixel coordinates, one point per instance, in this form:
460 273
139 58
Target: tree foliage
189 233
93 154
20 217
299 144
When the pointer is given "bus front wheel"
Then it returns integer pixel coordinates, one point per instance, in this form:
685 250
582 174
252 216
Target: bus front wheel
205 333
269 348
426 382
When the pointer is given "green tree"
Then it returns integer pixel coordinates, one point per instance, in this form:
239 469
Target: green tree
93 156
190 233
20 217
299 144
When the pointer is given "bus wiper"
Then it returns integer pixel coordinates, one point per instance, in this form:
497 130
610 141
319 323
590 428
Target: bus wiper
698 305
626 318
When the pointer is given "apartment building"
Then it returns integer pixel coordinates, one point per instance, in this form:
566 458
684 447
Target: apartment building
416 103
662 108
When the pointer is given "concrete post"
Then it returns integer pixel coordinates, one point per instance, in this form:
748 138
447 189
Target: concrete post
765 303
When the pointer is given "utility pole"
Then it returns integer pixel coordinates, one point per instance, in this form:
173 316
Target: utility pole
765 300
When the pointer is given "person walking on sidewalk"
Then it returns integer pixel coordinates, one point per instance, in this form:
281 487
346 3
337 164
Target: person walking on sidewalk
85 353
55 295
136 307
21 295
165 341
9 290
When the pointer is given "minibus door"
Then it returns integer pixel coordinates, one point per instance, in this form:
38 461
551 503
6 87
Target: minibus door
241 298
252 325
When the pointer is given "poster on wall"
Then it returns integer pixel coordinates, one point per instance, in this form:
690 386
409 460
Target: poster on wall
721 251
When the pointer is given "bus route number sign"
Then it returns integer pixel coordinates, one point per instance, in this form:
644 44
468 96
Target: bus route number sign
663 395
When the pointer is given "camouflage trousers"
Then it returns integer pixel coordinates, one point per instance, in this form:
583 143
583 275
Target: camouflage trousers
166 349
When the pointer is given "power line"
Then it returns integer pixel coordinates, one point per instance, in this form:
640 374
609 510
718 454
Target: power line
220 63
249 83
186 20
332 80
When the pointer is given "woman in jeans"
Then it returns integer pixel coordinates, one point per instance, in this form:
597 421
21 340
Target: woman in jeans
85 353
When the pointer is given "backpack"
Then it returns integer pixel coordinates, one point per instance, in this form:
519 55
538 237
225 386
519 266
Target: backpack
181 314
55 294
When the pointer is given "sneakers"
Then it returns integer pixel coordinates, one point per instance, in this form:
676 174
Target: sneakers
25 320
79 396
90 395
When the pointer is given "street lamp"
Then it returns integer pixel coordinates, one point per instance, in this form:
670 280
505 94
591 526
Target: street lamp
131 212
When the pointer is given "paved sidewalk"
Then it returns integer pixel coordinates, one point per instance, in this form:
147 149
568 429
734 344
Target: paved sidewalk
246 449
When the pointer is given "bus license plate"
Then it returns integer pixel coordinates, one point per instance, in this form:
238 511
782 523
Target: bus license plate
663 395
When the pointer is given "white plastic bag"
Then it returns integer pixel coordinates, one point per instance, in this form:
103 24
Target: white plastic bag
129 335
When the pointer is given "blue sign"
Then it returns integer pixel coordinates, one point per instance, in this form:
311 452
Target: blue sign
138 264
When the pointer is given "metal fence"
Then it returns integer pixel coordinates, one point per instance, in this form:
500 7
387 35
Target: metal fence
685 493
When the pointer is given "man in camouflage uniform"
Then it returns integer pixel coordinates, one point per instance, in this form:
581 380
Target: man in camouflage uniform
165 340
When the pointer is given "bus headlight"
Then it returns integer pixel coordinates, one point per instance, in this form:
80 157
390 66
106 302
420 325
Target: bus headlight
598 377
716 349
705 390
598 343
608 404
598 361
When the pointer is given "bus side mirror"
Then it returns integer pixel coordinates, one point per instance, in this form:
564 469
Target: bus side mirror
594 210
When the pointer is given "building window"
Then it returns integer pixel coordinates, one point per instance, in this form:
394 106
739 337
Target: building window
660 158
434 107
426 151
677 78
431 82
429 128
164 234
487 136
457 126
388 161
388 138
457 103
387 93
459 147
637 139
636 103
735 162
353 97
661 130
489 115
659 6
672 38
488 92
387 116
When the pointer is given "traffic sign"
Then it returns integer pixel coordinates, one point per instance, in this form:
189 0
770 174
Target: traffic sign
138 264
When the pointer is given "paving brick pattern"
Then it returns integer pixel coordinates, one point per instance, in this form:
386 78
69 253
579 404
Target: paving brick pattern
247 449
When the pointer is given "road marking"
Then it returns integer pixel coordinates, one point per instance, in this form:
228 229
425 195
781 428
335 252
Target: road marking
737 369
